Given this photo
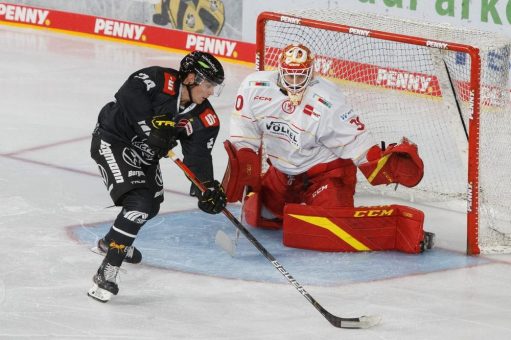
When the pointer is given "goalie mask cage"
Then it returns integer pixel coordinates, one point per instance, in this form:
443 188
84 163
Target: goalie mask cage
445 88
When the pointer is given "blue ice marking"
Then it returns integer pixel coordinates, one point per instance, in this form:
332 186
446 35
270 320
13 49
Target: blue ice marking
185 241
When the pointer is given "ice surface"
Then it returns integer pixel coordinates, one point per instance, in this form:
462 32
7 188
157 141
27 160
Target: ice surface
54 206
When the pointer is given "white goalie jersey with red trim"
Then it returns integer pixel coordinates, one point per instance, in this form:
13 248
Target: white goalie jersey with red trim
322 128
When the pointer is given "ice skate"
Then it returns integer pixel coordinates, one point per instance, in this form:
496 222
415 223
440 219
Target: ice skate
105 282
428 242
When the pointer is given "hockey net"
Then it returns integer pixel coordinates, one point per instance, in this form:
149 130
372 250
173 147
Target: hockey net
445 88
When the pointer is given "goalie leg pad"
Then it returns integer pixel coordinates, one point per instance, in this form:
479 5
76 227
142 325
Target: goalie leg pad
252 213
276 190
392 227
243 169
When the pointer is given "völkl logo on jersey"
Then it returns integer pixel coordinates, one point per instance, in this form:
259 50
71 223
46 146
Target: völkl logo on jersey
283 129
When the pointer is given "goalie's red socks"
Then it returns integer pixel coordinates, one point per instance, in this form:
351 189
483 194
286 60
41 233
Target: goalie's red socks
399 163
391 227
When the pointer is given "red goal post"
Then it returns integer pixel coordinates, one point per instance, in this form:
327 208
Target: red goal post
446 68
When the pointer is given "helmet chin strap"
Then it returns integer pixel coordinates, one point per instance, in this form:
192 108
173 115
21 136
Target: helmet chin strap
189 88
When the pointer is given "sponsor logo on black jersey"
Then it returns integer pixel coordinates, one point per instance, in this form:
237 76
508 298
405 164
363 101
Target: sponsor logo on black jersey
209 118
136 216
131 158
106 152
169 84
162 121
137 173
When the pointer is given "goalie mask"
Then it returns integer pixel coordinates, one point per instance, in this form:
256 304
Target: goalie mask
296 66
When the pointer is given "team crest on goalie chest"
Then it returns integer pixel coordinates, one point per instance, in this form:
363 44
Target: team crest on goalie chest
287 107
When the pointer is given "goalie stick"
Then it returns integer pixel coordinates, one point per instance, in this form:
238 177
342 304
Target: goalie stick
337 321
223 240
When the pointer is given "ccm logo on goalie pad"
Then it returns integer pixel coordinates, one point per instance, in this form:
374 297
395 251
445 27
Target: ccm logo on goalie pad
209 118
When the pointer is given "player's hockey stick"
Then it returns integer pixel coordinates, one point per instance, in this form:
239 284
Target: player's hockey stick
360 322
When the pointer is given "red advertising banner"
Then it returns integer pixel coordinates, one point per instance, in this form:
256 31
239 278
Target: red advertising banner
127 31
148 35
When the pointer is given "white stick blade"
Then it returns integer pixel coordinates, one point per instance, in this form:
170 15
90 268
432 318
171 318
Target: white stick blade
369 321
224 241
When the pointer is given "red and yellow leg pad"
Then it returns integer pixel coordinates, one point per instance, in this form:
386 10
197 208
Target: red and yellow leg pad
390 227
252 213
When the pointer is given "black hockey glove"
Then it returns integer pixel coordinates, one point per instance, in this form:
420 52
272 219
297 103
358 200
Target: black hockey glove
165 132
213 200
161 141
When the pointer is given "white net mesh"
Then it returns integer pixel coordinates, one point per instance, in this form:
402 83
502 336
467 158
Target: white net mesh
422 93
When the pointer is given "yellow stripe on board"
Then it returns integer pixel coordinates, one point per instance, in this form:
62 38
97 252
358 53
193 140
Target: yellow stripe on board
325 223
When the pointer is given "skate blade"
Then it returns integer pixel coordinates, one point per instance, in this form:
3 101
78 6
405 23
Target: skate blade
99 294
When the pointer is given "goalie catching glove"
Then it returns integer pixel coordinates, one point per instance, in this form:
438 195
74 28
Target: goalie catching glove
212 200
399 163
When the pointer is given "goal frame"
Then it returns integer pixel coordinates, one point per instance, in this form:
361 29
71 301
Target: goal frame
474 95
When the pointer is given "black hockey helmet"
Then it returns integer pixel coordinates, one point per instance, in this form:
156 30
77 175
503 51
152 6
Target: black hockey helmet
204 65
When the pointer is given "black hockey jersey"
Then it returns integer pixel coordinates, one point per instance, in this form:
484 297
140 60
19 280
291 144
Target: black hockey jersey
151 92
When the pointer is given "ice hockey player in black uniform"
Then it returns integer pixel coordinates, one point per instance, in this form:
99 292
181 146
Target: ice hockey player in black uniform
154 108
